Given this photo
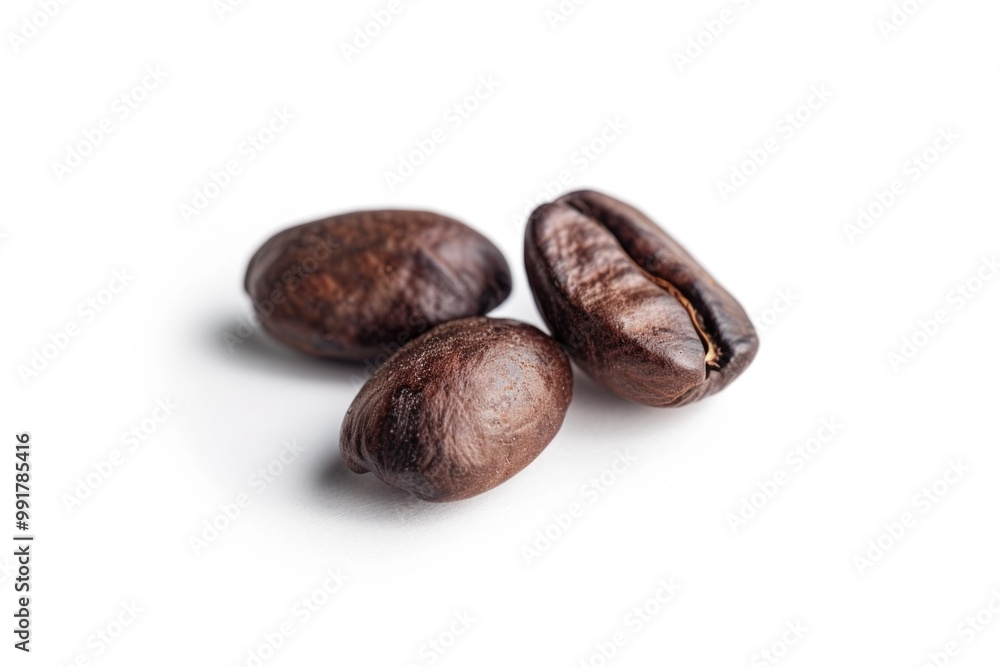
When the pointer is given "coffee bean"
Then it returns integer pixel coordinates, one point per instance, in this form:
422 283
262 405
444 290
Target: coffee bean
357 285
459 410
633 309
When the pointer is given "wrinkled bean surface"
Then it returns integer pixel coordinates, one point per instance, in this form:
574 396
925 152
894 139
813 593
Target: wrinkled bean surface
632 307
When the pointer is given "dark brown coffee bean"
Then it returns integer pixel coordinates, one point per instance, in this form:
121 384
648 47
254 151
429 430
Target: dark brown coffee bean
357 285
638 314
459 410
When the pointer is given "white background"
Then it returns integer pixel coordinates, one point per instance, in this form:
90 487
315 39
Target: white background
412 567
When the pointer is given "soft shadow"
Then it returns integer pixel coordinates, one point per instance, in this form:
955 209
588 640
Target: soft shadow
597 417
262 353
335 477
367 498
592 397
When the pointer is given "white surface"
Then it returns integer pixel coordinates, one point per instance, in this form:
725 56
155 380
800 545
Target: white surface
413 566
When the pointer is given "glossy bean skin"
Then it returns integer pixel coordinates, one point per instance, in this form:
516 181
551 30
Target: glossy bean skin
460 410
363 284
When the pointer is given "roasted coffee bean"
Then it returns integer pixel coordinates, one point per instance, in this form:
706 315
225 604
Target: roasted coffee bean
362 284
634 310
459 410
